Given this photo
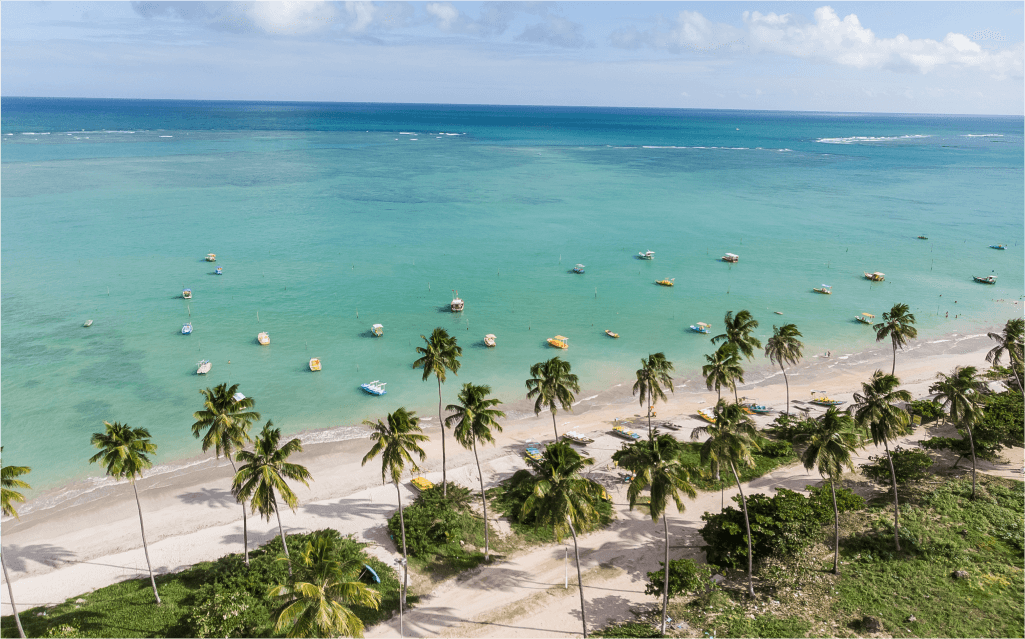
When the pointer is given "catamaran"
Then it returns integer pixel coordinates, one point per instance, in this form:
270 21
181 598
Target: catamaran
315 364
203 367
865 318
701 327
647 255
457 304
187 328
577 438
559 341
825 401
579 268
211 257
377 330
375 387
625 433
263 338
707 414
489 340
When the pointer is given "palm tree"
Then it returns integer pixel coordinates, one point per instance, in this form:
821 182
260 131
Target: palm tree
899 325
730 440
440 354
652 379
960 394
723 369
553 385
317 602
395 442
784 348
564 500
262 477
738 332
226 423
8 496
656 464
829 447
1012 341
475 418
876 408
125 452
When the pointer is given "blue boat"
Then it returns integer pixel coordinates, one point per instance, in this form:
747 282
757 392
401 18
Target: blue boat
700 327
219 270
999 247
374 388
187 328
372 573
579 268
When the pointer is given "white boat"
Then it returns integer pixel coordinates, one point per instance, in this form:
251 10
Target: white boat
875 277
457 304
701 327
577 438
625 433
707 414
670 425
203 367
377 330
989 279
315 364
187 328
211 257
865 318
579 268
263 338
88 323
489 340
237 397
730 257
825 290
375 387
647 255
187 294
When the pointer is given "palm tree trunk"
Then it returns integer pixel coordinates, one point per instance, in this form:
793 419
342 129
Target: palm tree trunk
747 524
735 398
145 548
554 425
405 557
971 441
649 411
10 591
281 531
484 502
896 507
836 531
580 578
665 582
245 525
893 371
787 382
444 482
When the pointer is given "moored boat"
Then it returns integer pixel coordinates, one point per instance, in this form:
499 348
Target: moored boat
922 237
707 414
825 401
999 247
187 328
579 268
825 290
989 279
701 327
237 397
757 408
211 257
421 484
666 282
611 334
534 454
88 323
577 438
730 257
625 433
875 277
219 270
865 318
377 330
647 255
457 304
489 340
203 367
559 341
187 294
263 338
375 387
315 364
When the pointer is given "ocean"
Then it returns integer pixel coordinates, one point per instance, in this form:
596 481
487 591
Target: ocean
328 218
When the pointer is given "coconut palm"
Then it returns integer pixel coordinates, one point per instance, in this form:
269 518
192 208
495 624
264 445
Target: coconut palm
223 425
440 354
784 348
653 379
876 408
1012 341
899 325
829 447
475 418
125 451
730 440
656 464
261 478
960 394
564 500
738 332
553 385
723 369
396 442
8 497
317 601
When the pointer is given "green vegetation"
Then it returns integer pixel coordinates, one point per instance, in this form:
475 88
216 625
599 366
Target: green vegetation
909 465
507 498
628 629
684 576
690 455
441 354
927 409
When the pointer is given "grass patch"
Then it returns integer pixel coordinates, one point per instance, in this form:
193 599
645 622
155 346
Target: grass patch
764 463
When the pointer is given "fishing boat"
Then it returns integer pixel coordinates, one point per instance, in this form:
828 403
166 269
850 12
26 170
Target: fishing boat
263 338
670 425
489 340
534 454
707 414
187 294
778 312
315 364
625 433
875 277
989 279
203 367
579 268
611 334
922 237
577 438
825 290
647 255
666 282
377 330
999 247
88 323
559 341
375 387
219 270
421 484
757 408
211 257
701 327
730 257
237 397
825 401
865 318
457 304
187 328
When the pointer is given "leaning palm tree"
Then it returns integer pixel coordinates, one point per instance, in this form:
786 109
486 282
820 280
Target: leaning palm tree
829 447
876 408
553 385
656 465
223 425
125 452
730 440
1012 341
396 442
564 500
960 394
440 354
261 478
738 332
653 379
723 369
8 496
475 418
317 601
784 348
899 325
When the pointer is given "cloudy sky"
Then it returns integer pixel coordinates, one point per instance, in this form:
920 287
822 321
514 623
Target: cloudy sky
921 57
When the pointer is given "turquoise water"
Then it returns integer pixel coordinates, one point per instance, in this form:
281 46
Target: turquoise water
320 212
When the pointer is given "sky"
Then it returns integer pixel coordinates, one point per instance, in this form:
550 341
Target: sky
893 57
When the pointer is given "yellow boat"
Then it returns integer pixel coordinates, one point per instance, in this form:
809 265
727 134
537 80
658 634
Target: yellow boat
611 334
875 277
211 257
315 364
263 338
421 483
559 341
825 290
666 282
707 415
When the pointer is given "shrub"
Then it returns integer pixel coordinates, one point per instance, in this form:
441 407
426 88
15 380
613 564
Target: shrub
628 629
435 524
684 576
225 613
508 499
909 465
821 501
786 427
778 449
1002 421
928 410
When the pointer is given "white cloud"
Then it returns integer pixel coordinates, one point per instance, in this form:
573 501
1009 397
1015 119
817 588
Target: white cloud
689 30
555 31
361 14
445 14
289 17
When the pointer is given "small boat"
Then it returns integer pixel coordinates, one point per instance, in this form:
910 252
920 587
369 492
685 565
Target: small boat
999 247
203 367
666 282
421 484
237 397
647 255
377 330
611 334
825 290
625 433
375 387
489 340
211 257
778 312
707 414
457 304
88 323
371 573
825 401
187 294
187 328
315 364
730 257
263 338
219 270
701 327
559 341
875 277
922 237
865 318
534 454
989 279
670 425
579 268
757 408
577 438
